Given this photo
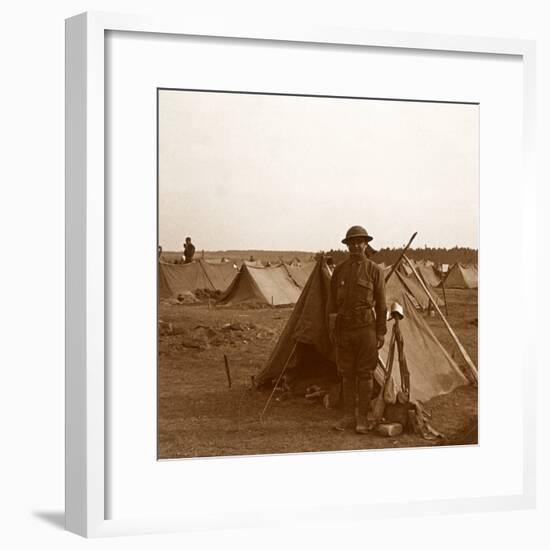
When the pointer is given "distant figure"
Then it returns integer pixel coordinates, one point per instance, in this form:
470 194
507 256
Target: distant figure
159 251
188 250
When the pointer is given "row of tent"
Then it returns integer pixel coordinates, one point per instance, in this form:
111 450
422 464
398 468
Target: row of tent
457 276
282 284
304 349
275 285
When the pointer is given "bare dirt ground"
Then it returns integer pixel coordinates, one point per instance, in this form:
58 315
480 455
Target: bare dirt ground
199 415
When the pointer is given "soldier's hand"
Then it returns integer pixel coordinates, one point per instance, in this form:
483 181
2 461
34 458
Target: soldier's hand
379 341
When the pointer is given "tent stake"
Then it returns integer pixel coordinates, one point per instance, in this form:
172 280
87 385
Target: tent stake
227 373
461 348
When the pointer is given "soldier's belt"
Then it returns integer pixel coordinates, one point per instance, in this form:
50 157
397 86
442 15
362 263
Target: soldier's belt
357 317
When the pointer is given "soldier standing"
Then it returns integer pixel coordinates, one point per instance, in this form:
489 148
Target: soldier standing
357 323
188 250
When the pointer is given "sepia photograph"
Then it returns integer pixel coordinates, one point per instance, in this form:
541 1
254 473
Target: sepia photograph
317 273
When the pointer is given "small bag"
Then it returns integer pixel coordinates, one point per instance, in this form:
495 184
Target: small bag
398 412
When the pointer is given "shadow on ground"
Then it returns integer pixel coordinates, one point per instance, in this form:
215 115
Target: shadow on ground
57 519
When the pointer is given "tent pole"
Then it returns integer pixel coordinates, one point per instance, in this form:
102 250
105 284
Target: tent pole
277 383
461 348
396 264
444 297
289 275
206 275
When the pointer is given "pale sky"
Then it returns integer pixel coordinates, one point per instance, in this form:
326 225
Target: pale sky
241 171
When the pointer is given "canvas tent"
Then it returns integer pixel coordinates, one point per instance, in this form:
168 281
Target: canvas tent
405 269
424 268
300 274
262 285
428 274
461 276
305 349
295 262
175 279
418 296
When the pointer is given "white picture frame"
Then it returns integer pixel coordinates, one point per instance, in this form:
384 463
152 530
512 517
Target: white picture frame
86 477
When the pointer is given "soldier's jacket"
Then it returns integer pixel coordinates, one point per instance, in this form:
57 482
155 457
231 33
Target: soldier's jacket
357 295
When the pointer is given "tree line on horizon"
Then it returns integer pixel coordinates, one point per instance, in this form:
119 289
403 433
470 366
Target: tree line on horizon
388 256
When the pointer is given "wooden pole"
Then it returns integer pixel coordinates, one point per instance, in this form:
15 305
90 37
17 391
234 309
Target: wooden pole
277 382
403 367
201 264
463 352
391 355
227 372
396 264
444 297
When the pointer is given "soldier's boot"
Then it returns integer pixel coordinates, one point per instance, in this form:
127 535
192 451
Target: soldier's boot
365 388
348 397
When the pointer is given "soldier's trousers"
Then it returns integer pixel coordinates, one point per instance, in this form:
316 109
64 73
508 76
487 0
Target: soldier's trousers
356 359
356 352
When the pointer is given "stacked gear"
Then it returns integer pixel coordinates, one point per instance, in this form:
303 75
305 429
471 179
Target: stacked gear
394 405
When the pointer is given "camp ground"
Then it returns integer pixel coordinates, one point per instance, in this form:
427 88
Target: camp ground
220 365
304 346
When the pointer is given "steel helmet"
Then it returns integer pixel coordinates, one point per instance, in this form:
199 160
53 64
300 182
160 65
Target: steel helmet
356 231
396 310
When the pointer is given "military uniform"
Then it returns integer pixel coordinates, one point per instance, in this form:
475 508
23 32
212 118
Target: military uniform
188 252
357 318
